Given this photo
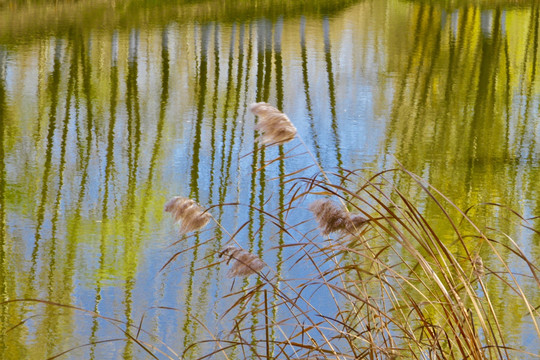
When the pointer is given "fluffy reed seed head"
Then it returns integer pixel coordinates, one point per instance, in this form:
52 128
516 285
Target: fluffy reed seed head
275 126
478 266
332 218
187 212
245 262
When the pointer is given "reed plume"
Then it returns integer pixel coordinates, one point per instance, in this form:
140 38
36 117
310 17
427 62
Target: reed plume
188 213
275 126
245 263
478 266
332 218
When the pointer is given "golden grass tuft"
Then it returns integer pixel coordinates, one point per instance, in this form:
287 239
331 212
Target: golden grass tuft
188 213
275 126
245 263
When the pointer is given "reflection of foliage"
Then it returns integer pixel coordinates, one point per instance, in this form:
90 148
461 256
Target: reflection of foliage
484 4
22 22
457 116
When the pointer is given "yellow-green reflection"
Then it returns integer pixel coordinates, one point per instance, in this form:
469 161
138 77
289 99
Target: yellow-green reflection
3 238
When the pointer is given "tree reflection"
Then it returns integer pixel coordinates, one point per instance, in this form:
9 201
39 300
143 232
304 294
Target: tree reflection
4 270
469 127
470 142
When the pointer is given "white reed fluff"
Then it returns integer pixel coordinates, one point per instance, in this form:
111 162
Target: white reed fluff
275 126
187 212
245 262
332 218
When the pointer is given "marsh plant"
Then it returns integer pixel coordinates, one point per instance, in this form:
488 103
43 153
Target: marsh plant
393 286
367 277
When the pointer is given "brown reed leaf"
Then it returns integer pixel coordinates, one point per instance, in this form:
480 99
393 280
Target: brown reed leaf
187 212
245 263
275 126
332 218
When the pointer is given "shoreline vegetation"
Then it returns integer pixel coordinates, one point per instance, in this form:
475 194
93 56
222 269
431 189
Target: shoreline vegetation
394 287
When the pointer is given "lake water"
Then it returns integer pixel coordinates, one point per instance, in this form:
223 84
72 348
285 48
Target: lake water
107 110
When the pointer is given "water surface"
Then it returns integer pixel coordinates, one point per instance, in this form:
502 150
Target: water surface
108 110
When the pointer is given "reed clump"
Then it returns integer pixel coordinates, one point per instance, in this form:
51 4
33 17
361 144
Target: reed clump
396 291
408 286
400 289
